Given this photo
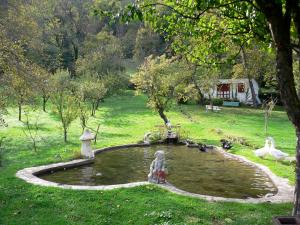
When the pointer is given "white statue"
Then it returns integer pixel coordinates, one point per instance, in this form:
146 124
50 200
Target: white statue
86 148
269 149
158 169
147 139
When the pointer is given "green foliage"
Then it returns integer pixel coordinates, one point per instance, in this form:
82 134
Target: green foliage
31 129
157 79
147 43
102 56
93 92
102 62
65 103
206 78
214 101
260 65
184 92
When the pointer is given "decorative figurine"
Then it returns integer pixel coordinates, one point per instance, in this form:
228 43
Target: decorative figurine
158 169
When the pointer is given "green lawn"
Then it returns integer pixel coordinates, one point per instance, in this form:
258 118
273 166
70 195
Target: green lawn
125 119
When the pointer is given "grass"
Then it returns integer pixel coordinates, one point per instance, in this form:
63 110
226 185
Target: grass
125 119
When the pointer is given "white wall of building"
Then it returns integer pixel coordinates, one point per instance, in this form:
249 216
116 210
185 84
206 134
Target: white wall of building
245 97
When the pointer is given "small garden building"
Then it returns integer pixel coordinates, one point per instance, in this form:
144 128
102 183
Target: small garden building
236 90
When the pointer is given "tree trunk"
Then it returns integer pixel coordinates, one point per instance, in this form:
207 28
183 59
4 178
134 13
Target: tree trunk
296 209
200 94
44 103
163 116
279 25
96 135
65 135
289 98
201 98
93 109
253 95
20 111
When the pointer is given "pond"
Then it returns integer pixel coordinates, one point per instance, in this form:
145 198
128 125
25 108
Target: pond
207 173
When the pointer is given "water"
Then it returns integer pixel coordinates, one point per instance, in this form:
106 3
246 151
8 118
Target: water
190 170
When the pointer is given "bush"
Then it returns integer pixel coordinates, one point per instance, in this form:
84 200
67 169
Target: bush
266 94
215 101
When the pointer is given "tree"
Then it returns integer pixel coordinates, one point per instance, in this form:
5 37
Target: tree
17 71
65 103
268 107
155 78
99 52
31 130
256 63
147 43
93 92
20 85
64 25
102 62
242 20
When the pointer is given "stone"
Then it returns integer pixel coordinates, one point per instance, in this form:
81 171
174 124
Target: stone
86 148
158 169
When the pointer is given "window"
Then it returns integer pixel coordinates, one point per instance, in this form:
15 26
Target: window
241 88
223 91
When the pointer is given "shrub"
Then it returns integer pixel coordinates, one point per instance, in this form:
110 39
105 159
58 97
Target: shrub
215 101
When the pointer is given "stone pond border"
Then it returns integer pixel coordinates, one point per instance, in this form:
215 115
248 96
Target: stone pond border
30 175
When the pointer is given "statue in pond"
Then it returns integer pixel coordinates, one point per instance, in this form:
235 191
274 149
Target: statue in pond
158 169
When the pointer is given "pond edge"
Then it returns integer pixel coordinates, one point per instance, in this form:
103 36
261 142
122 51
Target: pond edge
284 193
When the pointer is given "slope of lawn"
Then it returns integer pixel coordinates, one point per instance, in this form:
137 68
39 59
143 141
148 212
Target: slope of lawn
125 119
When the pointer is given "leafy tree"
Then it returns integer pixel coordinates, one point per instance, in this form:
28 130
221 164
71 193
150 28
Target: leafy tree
155 78
255 63
147 43
102 56
65 103
129 39
31 130
207 81
41 86
17 71
83 110
64 25
20 85
93 92
102 61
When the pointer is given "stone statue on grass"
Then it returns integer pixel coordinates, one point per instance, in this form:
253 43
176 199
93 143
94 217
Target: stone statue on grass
158 169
